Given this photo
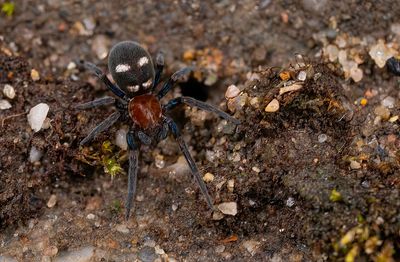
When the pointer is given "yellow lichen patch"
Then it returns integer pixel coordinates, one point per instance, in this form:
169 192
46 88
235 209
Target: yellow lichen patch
111 166
352 254
363 102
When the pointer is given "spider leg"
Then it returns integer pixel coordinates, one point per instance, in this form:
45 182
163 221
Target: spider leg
145 139
107 100
109 121
190 161
159 69
163 133
204 106
97 71
132 173
178 75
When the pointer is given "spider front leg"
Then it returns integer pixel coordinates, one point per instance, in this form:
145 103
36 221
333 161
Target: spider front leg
182 145
159 69
178 75
107 100
97 71
204 106
132 173
109 121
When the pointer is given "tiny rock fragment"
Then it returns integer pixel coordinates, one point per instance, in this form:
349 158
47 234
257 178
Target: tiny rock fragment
302 75
35 75
273 106
208 177
52 201
254 102
37 115
90 216
393 119
4 104
256 169
354 164
35 155
122 228
381 53
120 139
230 239
232 92
290 88
228 208
217 215
230 185
382 111
290 202
356 74
100 46
9 91
251 246
322 138
388 102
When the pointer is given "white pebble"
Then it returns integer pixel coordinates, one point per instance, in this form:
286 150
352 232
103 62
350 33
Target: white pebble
290 202
35 155
4 104
322 138
302 75
232 92
9 91
354 164
79 255
388 102
228 208
37 115
120 139
380 53
251 246
90 216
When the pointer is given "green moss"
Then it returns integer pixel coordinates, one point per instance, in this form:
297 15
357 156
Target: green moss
335 196
8 8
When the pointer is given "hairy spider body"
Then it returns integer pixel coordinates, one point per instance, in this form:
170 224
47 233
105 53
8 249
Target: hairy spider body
139 105
145 111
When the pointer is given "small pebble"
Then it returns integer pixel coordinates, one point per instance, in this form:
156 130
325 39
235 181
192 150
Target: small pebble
71 66
256 169
159 250
120 139
147 254
99 46
322 138
81 255
174 207
9 91
380 53
230 185
273 106
393 119
382 111
52 201
290 202
302 75
90 216
219 249
217 215
35 155
251 246
37 115
208 177
4 104
232 92
228 208
122 229
35 75
354 164
388 102
356 74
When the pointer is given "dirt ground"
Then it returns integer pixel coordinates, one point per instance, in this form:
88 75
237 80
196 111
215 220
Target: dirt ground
315 179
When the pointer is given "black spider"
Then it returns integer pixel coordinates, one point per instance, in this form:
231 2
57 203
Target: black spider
138 104
393 64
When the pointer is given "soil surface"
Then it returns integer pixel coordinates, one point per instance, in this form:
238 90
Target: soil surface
310 174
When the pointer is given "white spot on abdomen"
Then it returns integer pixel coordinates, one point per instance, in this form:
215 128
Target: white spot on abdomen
133 88
143 61
122 68
147 84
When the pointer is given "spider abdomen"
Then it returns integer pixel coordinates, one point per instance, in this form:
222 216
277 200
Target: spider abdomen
145 111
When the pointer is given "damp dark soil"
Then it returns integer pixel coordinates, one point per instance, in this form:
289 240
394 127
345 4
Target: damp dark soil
316 179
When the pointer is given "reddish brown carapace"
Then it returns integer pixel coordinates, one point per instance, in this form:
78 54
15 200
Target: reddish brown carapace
145 111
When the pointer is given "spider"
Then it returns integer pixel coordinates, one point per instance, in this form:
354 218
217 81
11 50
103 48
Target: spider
393 64
138 104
